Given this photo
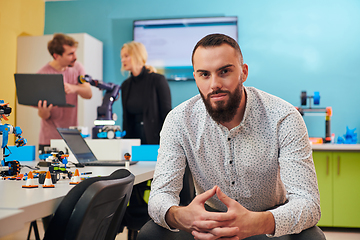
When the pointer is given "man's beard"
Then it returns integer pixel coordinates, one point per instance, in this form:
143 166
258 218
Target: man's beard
224 112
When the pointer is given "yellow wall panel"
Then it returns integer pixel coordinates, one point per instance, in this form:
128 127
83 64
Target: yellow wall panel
17 18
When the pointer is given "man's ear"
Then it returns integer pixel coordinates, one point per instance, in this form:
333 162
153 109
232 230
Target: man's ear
245 72
55 56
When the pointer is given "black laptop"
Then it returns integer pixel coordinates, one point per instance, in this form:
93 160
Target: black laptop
31 88
82 151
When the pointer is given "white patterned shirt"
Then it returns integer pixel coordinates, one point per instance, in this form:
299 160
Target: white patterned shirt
264 162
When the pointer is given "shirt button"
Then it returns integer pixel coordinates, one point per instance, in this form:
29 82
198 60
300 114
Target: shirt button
229 139
231 162
233 182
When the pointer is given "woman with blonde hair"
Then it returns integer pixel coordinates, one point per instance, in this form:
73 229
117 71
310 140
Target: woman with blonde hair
146 98
146 101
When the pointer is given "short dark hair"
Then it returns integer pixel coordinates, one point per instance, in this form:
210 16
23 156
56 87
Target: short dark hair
56 45
217 39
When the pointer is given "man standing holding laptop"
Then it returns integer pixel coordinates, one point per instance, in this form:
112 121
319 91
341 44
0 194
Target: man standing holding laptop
63 50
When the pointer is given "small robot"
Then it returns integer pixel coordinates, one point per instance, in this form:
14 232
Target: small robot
127 157
8 168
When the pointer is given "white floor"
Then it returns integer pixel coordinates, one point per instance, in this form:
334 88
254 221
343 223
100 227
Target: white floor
121 236
330 233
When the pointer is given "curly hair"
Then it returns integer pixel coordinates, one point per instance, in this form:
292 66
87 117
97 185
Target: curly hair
56 45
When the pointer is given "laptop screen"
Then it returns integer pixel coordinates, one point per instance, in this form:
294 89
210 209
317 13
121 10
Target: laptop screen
77 145
31 88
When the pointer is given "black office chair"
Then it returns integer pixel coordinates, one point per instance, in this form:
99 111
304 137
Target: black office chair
136 214
93 209
187 193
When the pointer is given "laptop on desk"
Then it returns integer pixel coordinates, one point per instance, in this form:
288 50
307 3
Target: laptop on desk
31 88
82 151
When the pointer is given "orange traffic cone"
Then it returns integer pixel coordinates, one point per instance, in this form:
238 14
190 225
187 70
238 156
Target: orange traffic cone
30 182
76 178
48 182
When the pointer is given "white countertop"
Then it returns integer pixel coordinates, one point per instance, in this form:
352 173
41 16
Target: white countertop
336 147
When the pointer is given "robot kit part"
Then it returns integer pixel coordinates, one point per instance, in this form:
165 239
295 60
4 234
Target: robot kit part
12 168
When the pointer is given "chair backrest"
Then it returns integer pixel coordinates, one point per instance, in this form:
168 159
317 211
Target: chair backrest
187 193
99 194
100 209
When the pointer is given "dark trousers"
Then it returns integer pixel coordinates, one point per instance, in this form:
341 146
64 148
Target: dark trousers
152 231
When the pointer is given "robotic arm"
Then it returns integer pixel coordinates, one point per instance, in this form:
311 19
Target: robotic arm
104 112
6 129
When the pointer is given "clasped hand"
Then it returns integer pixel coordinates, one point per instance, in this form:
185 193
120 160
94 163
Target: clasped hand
236 223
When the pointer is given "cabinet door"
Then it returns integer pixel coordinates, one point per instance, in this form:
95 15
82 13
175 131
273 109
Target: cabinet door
324 169
346 179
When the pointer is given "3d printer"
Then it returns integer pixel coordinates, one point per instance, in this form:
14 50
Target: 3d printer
327 111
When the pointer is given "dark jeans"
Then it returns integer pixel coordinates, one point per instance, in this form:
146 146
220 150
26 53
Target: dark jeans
152 231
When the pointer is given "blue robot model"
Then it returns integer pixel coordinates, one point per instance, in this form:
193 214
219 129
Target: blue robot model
11 167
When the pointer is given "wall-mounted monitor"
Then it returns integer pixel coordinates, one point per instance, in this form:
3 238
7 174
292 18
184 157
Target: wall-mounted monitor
169 42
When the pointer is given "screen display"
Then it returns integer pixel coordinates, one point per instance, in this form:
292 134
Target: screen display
77 145
170 42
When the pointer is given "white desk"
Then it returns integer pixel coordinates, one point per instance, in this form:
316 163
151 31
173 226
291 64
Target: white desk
36 203
7 219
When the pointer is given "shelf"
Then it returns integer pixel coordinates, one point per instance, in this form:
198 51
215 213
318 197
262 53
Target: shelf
336 147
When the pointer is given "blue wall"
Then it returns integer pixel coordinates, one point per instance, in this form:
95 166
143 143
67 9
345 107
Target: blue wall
290 46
